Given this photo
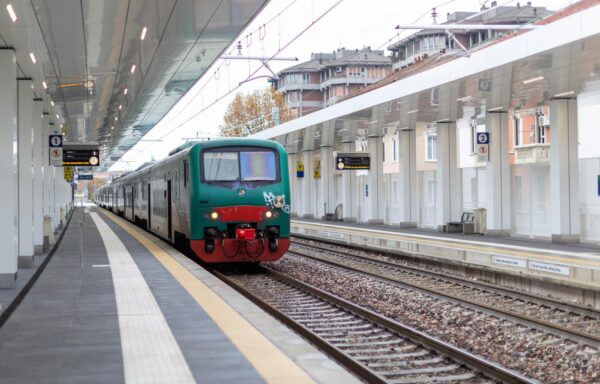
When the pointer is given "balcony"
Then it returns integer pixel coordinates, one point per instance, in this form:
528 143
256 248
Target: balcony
299 87
532 153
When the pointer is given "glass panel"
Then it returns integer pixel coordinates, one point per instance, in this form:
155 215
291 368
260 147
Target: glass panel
221 166
258 166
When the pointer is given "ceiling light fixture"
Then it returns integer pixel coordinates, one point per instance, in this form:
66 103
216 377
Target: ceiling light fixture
32 56
11 12
44 85
133 68
125 91
533 80
111 128
116 118
52 103
143 36
464 98
496 109
120 107
57 116
563 94
413 111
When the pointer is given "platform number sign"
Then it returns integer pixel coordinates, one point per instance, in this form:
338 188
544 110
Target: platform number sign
55 148
483 146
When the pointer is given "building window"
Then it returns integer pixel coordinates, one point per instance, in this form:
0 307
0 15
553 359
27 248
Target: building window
518 132
306 78
293 96
540 128
431 147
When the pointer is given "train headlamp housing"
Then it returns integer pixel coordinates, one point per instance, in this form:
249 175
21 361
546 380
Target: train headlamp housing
279 201
214 215
268 214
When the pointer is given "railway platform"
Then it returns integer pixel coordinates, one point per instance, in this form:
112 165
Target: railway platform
569 271
133 309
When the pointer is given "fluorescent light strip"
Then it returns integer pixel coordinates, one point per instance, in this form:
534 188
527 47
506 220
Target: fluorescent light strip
413 111
464 98
568 93
32 56
116 118
143 36
133 68
495 109
58 116
533 80
125 91
11 12
52 103
44 85
120 107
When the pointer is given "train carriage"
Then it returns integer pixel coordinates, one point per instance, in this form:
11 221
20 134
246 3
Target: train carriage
226 200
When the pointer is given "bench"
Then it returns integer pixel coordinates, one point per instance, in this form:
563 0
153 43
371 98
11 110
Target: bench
459 226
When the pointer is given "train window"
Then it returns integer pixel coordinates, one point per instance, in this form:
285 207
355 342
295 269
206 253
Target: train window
258 166
185 173
221 166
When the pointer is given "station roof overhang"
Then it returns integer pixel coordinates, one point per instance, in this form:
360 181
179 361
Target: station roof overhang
557 60
85 51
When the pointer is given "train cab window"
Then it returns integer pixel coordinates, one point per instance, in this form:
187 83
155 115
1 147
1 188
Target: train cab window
243 165
259 165
185 174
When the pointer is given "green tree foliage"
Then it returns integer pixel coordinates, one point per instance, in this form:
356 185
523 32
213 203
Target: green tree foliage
254 112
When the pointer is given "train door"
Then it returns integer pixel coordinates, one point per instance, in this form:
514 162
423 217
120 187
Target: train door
169 209
149 209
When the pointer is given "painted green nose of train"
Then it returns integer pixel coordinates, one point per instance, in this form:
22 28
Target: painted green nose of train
225 208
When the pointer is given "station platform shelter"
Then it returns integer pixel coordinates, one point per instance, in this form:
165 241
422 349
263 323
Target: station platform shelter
506 135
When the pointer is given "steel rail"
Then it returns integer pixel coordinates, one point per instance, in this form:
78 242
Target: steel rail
489 369
594 340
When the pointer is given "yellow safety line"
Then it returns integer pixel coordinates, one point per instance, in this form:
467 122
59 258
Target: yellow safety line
272 364
463 246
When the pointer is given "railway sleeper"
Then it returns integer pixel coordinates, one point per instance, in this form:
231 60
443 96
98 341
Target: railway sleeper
434 360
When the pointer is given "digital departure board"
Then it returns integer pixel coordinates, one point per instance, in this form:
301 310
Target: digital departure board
352 161
81 155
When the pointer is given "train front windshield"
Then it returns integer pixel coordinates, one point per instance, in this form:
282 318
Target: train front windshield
222 166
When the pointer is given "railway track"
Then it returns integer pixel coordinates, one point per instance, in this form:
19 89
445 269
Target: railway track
375 348
579 323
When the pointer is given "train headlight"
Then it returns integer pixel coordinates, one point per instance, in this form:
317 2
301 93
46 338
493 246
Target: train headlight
214 215
279 201
268 214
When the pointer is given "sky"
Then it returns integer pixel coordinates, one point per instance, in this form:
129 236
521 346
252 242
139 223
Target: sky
289 29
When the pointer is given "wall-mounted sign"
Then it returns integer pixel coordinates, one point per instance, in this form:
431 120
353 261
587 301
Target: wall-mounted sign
352 161
55 150
81 155
68 173
482 149
299 169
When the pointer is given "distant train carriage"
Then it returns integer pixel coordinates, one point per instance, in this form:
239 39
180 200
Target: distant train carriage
227 200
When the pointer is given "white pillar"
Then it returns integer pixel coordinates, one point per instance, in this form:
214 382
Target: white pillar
25 202
327 195
47 169
564 171
408 178
38 209
9 224
375 200
447 176
498 176
349 188
58 195
307 193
